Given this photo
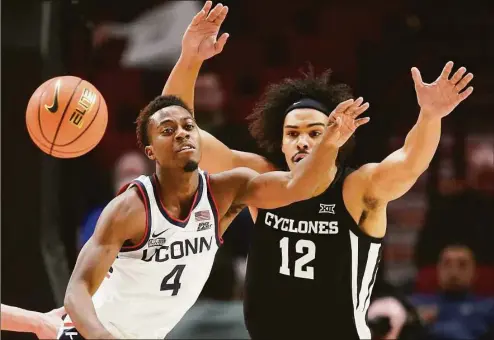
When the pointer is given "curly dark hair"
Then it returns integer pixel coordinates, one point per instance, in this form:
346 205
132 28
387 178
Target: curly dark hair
155 105
267 119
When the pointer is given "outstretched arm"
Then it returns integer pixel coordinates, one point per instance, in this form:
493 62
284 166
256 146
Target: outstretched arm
217 157
397 173
117 222
19 320
199 43
44 325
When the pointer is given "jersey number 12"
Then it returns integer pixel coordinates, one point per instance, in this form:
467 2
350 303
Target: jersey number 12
305 247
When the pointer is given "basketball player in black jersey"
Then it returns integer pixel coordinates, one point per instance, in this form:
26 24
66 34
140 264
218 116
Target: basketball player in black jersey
312 264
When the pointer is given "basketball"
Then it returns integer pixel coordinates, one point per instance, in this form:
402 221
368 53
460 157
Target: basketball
66 117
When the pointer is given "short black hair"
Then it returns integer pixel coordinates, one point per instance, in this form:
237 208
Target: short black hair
155 105
267 119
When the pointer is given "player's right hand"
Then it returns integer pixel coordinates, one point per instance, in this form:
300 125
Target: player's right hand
200 39
50 323
347 112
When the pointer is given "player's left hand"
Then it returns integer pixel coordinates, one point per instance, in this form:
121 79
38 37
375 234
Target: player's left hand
439 98
200 39
49 323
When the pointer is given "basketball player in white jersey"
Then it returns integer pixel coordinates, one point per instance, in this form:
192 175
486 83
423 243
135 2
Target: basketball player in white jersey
154 244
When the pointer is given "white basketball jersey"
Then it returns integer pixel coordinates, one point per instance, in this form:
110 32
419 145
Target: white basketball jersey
150 286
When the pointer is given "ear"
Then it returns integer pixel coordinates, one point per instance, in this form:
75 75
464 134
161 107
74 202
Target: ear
148 150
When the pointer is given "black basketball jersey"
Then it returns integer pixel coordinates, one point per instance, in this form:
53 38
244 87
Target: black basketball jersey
310 270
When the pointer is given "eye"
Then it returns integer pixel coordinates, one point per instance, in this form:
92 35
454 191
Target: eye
292 133
315 133
189 127
167 131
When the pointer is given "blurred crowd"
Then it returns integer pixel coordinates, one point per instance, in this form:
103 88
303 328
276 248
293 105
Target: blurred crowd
437 279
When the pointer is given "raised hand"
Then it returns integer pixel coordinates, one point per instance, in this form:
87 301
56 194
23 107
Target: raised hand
347 113
439 98
200 39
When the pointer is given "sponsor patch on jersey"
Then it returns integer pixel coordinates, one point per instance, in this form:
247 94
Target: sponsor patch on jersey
326 208
156 242
204 226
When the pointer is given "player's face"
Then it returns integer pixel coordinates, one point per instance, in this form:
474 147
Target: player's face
302 130
174 139
456 269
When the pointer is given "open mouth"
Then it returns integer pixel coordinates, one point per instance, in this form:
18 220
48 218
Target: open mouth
186 147
298 157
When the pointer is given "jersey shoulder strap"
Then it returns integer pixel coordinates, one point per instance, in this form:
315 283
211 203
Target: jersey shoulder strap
142 184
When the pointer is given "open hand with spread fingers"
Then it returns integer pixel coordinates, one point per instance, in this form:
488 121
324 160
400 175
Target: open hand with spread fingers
439 98
200 39
348 112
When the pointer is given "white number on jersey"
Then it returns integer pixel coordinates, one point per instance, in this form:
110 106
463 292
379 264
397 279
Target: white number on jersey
175 286
309 255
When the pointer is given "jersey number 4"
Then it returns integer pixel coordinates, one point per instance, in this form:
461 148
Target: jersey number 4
175 286
305 247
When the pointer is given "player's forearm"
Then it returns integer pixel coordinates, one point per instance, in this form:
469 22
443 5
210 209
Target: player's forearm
310 173
79 306
19 320
217 157
421 144
182 80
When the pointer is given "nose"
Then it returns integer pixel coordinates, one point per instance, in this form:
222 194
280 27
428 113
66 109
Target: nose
182 134
302 144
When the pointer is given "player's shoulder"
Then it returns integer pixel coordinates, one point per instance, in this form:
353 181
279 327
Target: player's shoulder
356 183
123 218
364 172
357 178
127 207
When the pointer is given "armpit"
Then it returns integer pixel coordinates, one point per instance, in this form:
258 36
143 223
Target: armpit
370 203
235 209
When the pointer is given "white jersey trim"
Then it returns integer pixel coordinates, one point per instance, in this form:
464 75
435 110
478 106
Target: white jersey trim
144 196
361 299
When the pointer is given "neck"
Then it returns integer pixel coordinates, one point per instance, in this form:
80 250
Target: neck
176 184
326 182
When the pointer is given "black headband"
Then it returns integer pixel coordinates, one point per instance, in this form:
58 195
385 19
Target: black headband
308 103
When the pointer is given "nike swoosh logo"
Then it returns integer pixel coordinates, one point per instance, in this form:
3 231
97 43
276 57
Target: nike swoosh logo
54 107
158 234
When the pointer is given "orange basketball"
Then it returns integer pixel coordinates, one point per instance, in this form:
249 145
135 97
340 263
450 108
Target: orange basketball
66 117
